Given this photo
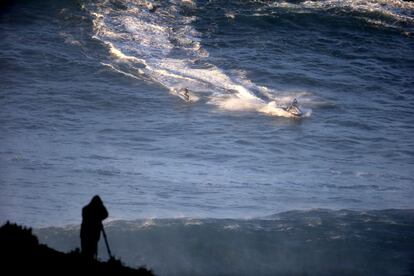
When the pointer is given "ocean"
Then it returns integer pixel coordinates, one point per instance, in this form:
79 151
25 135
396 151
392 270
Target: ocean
228 183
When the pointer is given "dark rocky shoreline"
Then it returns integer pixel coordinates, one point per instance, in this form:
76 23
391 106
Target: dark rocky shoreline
21 253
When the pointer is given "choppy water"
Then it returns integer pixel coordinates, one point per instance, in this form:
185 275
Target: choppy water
87 106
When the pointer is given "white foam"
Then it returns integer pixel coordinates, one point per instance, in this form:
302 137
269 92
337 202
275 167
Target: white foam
118 54
233 103
230 15
393 9
135 35
120 71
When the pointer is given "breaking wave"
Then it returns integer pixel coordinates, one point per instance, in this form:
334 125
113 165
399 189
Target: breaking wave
161 44
316 242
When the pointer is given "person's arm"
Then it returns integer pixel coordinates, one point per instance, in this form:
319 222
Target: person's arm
104 213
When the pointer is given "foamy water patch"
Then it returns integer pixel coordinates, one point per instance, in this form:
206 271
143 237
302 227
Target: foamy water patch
385 13
120 55
167 48
233 103
123 72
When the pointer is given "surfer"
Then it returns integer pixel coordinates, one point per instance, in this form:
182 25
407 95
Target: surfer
186 95
185 92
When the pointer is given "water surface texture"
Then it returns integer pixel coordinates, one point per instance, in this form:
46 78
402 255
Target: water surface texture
88 106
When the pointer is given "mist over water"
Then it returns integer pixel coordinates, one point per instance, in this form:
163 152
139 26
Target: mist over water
318 242
89 105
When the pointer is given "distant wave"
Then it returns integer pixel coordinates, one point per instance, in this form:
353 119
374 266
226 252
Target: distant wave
386 13
398 14
316 242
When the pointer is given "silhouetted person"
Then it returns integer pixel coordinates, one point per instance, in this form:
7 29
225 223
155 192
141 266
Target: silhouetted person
92 216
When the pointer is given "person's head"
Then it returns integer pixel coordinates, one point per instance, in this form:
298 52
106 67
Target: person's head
96 200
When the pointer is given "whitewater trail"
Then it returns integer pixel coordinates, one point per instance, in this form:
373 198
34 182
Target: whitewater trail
164 47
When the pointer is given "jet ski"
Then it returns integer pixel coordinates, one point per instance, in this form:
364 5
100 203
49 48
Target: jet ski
294 108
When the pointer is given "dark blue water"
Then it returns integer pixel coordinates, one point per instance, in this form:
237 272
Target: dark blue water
89 105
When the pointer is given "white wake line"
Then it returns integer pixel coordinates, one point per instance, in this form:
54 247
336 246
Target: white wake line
233 103
215 77
243 99
120 71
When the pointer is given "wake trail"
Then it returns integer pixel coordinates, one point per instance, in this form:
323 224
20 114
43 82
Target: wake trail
164 47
